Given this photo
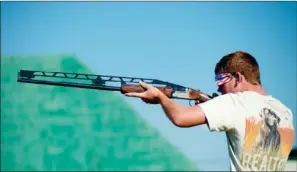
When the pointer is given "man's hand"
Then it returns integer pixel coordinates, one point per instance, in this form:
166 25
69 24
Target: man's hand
151 95
179 115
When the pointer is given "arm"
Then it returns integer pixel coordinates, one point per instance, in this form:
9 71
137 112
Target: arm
219 113
182 116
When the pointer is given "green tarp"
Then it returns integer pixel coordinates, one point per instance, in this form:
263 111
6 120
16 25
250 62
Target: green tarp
58 128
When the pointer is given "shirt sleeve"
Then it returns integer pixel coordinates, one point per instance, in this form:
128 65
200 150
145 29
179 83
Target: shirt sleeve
222 112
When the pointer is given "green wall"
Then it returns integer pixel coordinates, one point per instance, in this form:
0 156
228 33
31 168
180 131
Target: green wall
58 128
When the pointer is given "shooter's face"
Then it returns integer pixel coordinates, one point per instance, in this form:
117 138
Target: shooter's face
228 87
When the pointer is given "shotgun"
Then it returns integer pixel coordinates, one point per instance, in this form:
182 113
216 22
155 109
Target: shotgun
111 83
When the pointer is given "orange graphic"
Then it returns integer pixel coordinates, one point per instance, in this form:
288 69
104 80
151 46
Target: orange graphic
251 132
286 141
268 142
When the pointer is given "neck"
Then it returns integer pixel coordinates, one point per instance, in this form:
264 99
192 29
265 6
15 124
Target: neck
256 88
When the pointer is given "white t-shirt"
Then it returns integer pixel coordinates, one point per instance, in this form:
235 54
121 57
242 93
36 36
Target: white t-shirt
259 129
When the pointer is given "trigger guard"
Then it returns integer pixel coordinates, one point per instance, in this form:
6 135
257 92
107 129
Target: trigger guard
191 104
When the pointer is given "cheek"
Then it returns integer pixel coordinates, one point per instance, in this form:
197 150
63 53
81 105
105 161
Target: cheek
225 89
228 88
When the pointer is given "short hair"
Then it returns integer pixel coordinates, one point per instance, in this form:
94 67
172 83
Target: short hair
241 62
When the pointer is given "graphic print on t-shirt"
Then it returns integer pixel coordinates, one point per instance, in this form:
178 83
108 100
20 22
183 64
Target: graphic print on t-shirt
268 142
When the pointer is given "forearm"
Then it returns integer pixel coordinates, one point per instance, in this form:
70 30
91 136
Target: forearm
172 110
182 116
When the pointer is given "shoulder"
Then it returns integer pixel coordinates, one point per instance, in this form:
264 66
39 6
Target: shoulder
281 109
236 98
243 103
278 104
223 112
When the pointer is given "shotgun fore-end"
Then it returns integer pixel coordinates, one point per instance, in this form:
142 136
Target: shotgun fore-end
198 95
139 89
169 92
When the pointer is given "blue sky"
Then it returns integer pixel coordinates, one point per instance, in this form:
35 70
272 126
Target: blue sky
174 41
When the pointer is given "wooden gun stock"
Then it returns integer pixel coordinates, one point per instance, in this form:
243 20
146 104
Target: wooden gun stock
170 93
139 89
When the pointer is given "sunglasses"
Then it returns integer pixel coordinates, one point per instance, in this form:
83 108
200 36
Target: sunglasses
223 78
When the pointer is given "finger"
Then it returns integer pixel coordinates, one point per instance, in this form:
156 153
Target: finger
134 94
196 102
144 84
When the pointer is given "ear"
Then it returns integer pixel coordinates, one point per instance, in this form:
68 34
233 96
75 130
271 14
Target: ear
239 77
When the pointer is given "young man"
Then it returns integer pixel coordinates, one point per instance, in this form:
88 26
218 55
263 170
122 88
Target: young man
258 127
